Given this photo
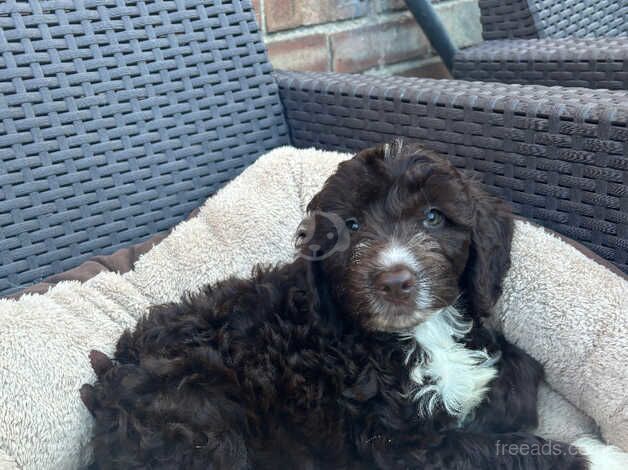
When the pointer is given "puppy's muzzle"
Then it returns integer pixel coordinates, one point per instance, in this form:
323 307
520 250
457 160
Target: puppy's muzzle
396 285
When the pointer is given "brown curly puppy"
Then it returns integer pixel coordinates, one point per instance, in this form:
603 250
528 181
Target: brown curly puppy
367 351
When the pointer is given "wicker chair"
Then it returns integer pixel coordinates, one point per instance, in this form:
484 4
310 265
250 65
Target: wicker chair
581 43
117 119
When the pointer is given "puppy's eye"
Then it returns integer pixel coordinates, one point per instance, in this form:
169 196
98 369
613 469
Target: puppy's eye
433 218
352 224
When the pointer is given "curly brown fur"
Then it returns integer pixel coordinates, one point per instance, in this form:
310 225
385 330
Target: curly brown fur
307 365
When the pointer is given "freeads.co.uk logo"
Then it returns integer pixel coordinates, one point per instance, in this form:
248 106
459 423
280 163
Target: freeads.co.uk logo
321 235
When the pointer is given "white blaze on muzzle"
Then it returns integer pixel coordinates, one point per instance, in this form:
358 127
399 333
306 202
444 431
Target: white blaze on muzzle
396 254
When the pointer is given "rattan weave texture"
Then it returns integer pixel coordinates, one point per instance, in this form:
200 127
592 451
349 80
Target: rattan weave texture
578 62
117 118
558 155
583 43
580 18
510 19
507 19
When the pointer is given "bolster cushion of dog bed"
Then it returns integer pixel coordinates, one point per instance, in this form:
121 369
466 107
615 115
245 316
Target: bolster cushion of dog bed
560 305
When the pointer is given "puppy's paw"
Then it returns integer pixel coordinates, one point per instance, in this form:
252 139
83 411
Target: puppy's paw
100 362
602 456
88 397
101 365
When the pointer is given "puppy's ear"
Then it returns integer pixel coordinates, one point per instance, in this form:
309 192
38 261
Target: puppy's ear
489 257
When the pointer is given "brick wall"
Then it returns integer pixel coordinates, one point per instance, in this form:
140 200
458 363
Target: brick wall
370 36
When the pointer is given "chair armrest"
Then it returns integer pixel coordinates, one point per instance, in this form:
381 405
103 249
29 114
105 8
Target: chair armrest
583 62
558 155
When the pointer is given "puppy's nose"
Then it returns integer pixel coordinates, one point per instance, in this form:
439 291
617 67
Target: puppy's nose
395 284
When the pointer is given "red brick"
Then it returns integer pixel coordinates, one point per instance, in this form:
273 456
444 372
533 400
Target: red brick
387 43
304 53
289 14
390 5
258 13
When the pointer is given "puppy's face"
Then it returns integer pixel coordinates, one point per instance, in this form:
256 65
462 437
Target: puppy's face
393 230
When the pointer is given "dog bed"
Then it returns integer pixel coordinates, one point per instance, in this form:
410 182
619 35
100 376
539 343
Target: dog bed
559 303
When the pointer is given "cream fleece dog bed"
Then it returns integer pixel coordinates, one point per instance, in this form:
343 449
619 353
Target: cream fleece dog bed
561 306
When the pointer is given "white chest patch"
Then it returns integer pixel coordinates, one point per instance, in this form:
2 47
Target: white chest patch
448 375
